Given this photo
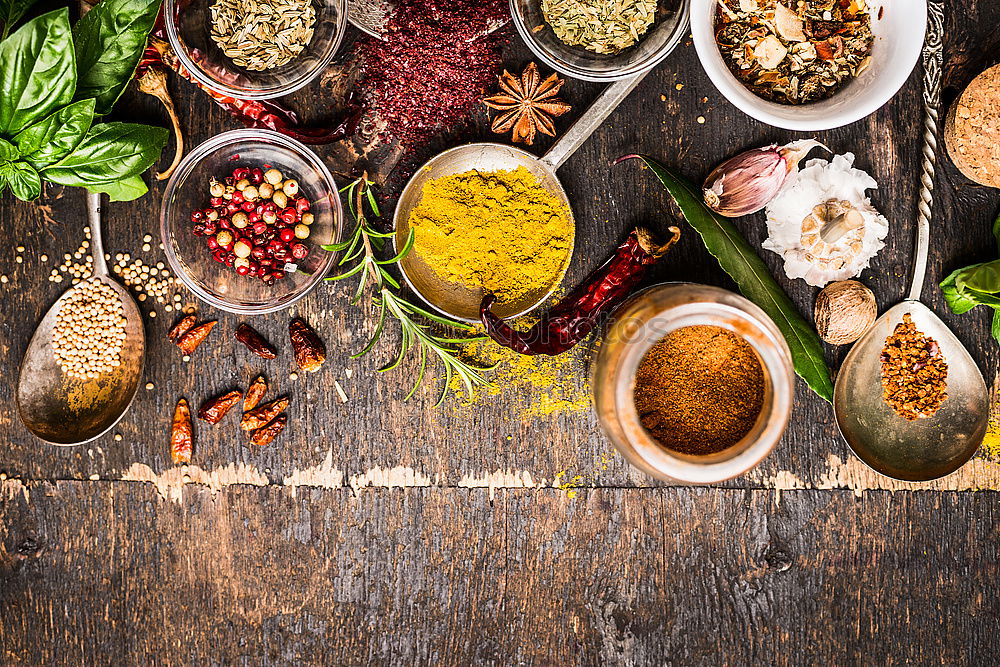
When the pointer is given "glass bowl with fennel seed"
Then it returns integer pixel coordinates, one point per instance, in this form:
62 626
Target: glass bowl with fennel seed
255 49
604 40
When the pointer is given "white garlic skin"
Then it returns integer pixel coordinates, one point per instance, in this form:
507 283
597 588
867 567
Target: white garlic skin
745 183
818 182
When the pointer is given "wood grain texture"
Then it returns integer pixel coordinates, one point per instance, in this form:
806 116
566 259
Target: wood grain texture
306 550
99 573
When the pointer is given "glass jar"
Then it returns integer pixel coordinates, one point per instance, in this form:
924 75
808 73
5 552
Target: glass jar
644 320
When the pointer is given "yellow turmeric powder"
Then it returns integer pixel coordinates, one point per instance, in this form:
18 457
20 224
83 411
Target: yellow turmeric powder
499 231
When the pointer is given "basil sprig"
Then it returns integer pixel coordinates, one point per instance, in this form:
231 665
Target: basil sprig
751 275
56 82
976 285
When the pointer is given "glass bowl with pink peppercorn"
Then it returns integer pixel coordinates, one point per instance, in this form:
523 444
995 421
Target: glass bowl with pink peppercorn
244 218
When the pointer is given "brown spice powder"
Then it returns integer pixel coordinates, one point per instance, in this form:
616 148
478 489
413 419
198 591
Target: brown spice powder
699 390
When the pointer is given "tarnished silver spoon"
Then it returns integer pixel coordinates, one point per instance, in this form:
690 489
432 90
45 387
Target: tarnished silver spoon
65 410
928 448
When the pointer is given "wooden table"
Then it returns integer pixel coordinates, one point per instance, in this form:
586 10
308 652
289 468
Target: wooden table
378 531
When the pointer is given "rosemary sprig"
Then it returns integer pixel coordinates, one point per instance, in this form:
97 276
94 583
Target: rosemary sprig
360 259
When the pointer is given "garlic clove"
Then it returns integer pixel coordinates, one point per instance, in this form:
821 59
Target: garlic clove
747 182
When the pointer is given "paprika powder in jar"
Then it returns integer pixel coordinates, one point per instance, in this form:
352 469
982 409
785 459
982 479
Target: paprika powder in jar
693 384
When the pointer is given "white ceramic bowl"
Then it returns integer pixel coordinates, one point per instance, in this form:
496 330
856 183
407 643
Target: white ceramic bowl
899 39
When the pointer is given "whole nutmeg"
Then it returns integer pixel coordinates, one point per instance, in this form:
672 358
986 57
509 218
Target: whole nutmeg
845 310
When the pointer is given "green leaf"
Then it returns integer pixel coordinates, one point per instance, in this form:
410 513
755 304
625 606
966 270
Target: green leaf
110 39
22 178
957 301
53 138
751 274
37 71
8 151
110 152
11 12
125 189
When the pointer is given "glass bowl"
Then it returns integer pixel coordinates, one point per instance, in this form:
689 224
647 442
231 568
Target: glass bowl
189 23
663 36
187 190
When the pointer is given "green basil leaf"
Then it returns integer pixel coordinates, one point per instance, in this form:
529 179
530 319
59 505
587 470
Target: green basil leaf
125 189
8 151
37 71
751 274
958 301
11 12
110 39
110 152
53 138
22 178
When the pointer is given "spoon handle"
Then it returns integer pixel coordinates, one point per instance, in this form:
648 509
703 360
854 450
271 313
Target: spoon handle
96 245
933 61
580 131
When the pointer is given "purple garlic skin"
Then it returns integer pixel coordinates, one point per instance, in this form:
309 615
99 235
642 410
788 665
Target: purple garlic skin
747 182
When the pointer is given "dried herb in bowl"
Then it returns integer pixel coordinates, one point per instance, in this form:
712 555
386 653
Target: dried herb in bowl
794 52
262 35
601 26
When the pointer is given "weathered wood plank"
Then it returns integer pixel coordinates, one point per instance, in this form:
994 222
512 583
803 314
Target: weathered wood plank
427 576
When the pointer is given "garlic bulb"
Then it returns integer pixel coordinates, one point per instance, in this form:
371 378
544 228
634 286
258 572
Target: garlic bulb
744 184
823 225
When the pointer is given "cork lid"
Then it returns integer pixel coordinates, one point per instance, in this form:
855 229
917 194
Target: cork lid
972 129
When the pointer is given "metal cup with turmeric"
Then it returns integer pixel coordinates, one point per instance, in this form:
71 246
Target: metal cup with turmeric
499 231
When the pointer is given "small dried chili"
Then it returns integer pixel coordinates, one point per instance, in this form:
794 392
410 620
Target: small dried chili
214 409
181 328
310 352
576 315
256 391
265 434
181 434
258 417
193 337
254 342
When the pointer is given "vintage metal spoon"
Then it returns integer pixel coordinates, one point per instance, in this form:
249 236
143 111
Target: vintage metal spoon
63 410
939 445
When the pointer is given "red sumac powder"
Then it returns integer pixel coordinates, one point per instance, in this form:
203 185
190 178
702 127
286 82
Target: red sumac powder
433 65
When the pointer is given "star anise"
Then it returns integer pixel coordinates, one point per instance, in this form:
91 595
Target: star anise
527 105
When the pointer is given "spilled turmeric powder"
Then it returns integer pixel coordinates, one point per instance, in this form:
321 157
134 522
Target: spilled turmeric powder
499 231
539 386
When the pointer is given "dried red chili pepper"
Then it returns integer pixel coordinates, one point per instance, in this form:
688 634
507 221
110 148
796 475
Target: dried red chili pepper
310 352
254 342
255 392
252 113
193 337
258 417
214 409
265 434
575 316
181 434
181 328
